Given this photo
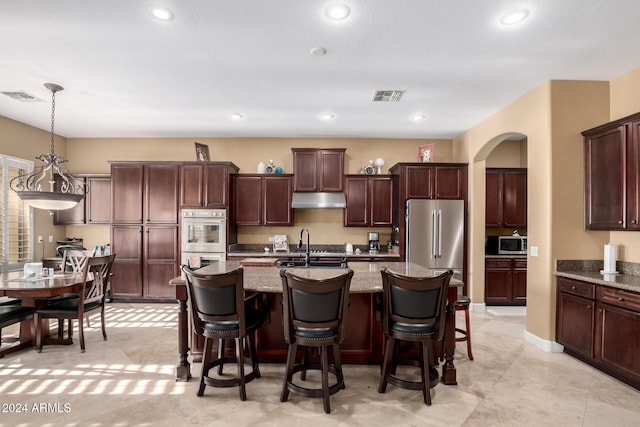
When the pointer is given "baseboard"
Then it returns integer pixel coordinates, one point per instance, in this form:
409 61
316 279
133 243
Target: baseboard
544 345
478 307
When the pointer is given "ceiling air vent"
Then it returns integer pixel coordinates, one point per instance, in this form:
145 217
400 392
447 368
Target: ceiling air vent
22 96
387 95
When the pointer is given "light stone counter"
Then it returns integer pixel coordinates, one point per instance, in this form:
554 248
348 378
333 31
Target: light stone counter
589 271
366 275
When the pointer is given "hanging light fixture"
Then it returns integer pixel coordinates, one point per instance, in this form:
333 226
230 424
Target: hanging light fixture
50 186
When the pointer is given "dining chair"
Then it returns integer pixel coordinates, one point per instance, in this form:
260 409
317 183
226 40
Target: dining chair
314 316
413 309
73 261
11 314
220 311
91 299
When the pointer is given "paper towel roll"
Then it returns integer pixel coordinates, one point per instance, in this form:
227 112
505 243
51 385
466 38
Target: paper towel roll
609 259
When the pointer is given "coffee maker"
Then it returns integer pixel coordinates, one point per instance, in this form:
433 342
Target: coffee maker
374 242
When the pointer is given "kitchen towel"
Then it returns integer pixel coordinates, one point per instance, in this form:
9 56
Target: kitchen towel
609 259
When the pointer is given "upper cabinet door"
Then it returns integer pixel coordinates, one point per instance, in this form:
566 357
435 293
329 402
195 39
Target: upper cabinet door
382 201
305 169
126 188
356 213
247 206
450 182
217 185
192 186
605 171
276 196
317 169
331 170
633 176
493 198
514 196
99 200
161 189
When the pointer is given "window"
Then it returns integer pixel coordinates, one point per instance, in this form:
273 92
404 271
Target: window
17 217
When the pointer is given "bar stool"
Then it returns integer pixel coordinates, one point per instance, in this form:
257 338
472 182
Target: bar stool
414 310
314 316
462 304
220 311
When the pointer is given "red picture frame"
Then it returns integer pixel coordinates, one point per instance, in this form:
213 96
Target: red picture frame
426 153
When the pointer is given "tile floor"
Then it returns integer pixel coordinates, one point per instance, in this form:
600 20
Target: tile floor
129 381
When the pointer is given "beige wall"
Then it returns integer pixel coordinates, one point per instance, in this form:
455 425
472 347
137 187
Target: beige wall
26 142
552 117
325 226
508 154
625 101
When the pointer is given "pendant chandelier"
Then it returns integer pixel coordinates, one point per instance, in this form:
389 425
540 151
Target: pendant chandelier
49 186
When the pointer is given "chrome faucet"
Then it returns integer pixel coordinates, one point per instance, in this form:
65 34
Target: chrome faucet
308 253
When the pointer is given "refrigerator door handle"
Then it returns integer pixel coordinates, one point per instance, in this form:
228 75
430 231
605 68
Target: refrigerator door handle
434 233
439 254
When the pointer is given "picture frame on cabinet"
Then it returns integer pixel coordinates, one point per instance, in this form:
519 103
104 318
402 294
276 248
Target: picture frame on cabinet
202 152
425 153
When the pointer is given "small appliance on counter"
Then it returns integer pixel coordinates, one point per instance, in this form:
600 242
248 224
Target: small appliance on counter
374 242
506 245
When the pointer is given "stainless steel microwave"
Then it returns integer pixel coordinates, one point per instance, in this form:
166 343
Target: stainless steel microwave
512 245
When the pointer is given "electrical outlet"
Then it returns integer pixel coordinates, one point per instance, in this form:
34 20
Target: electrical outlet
40 239
50 238
534 251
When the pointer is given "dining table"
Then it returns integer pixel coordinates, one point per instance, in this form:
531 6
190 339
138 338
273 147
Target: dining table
366 280
35 292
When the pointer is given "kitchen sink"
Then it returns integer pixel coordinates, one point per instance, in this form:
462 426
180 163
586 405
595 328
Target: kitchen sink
299 263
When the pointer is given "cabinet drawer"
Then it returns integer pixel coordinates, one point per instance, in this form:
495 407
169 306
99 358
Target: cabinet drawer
498 263
520 263
575 287
619 298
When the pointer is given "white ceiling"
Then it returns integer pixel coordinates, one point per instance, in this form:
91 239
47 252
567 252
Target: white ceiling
127 74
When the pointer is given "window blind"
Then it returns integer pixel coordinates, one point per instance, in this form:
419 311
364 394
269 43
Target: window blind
17 219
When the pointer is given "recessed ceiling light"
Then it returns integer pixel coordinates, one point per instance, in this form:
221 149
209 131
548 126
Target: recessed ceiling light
327 116
418 117
514 17
162 13
318 51
237 116
337 12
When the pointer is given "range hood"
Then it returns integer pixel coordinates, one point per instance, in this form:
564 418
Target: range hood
318 201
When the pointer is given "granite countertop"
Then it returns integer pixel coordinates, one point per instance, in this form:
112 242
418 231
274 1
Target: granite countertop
317 251
589 271
366 277
292 254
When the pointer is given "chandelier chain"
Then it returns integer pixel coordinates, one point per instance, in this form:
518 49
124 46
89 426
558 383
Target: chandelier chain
53 115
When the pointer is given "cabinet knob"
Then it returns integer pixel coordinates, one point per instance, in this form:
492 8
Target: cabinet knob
573 288
619 222
634 221
589 307
620 299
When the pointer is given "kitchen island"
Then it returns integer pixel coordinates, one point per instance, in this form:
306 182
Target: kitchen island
364 342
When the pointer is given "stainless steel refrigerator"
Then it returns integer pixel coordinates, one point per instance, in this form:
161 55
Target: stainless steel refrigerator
435 234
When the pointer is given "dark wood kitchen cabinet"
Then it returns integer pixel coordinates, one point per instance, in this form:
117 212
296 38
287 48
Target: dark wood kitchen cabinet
612 175
95 208
575 316
506 197
370 201
505 281
318 170
599 325
262 199
206 184
617 331
431 180
144 228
